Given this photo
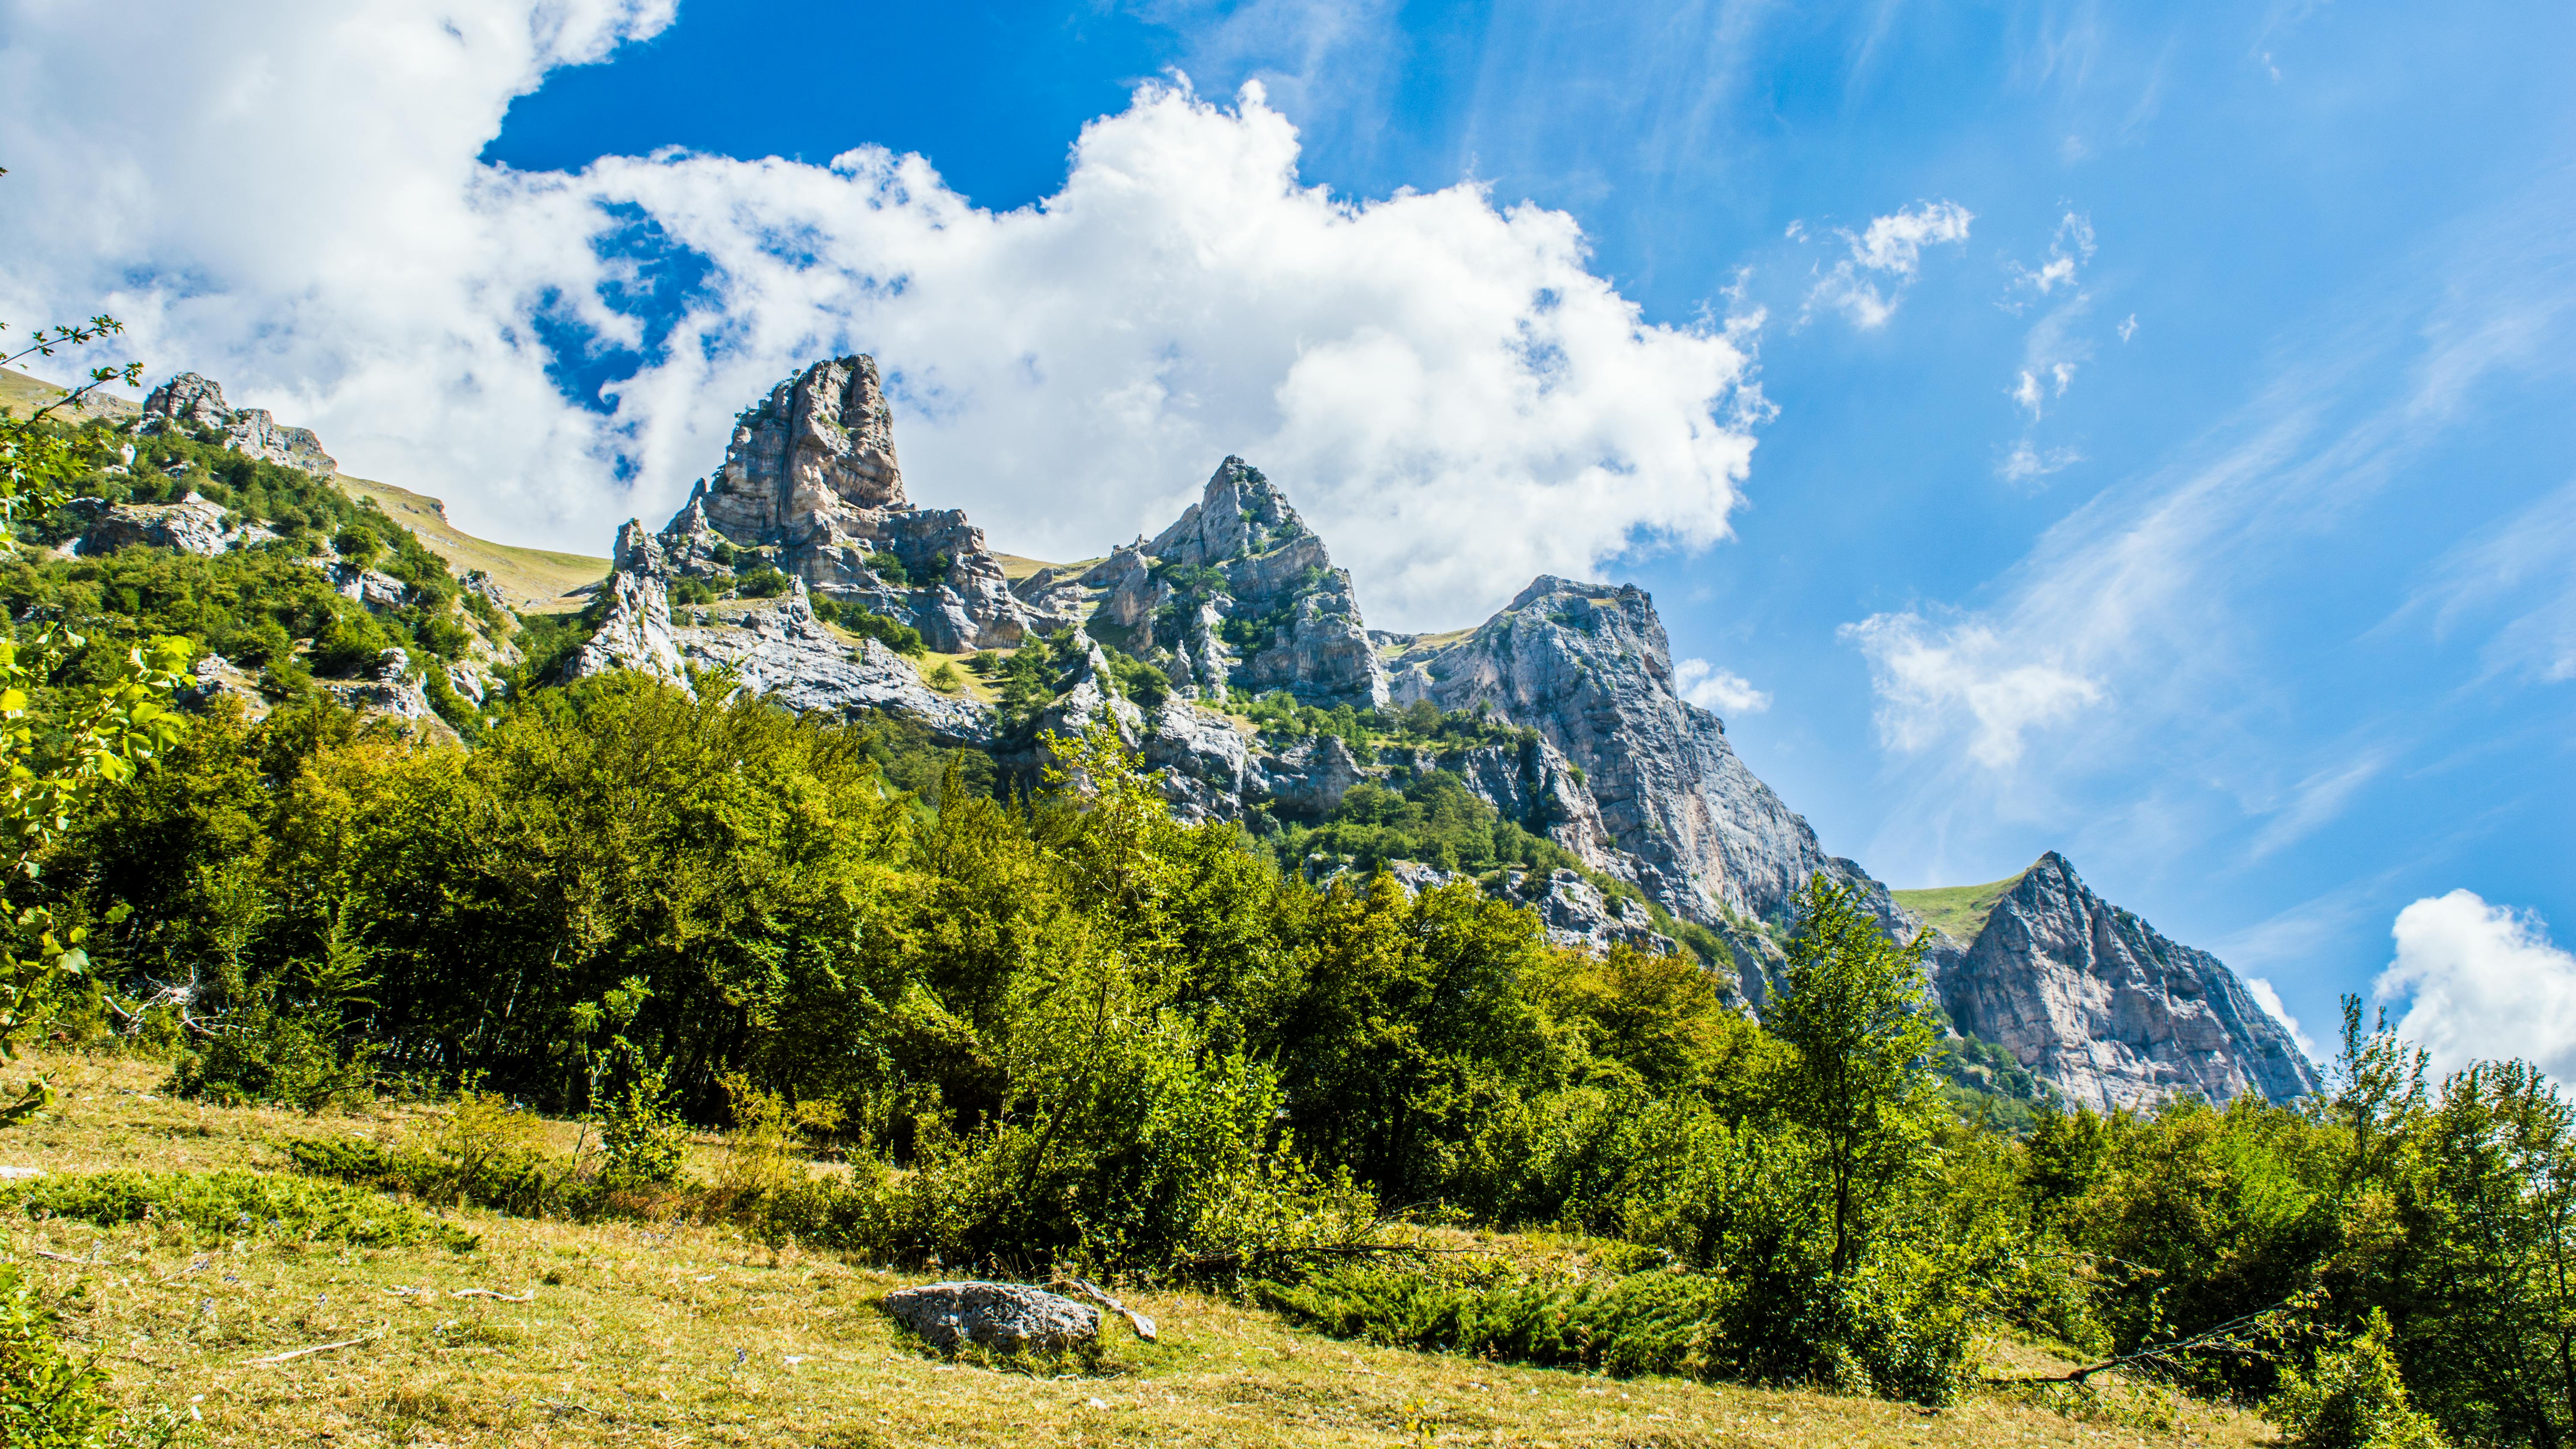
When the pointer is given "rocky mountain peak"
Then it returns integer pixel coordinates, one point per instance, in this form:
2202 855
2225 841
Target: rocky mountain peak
1240 513
2096 1002
819 446
1589 667
192 401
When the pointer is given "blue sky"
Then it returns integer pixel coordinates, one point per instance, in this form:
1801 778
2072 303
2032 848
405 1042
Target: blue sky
2158 422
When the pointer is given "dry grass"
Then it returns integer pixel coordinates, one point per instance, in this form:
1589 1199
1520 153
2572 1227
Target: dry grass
532 577
670 1335
23 393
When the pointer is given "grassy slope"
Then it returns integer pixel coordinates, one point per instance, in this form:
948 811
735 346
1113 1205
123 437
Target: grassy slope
632 1334
1957 911
23 394
531 576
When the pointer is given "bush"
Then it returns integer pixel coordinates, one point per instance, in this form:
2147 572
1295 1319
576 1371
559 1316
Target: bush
946 679
1843 1336
641 1134
760 583
894 634
483 1151
225 1205
46 1400
275 1054
2354 1398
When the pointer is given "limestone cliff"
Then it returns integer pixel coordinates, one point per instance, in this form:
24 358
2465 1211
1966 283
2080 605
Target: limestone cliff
2095 1002
1588 666
810 485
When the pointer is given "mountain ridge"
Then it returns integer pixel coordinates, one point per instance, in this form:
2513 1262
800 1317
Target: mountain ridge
1231 653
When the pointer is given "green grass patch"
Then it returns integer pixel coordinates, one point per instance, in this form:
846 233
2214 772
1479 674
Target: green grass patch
1958 911
226 1205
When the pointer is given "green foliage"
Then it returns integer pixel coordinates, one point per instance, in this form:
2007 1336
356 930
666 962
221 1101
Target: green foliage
1647 1323
2354 1398
1433 818
1852 1005
221 1206
945 678
887 565
894 634
47 1401
1139 681
761 583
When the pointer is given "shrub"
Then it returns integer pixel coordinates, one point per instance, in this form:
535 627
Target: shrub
46 1400
946 679
894 634
356 544
277 1054
760 583
642 1135
2354 1398
223 1205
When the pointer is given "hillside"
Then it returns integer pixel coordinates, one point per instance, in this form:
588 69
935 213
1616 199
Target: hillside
676 1333
1958 912
535 579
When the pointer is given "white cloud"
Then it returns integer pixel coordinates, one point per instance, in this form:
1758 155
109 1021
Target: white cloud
295 207
2128 327
1935 682
2482 982
2270 1000
2069 248
2026 461
1891 250
1717 690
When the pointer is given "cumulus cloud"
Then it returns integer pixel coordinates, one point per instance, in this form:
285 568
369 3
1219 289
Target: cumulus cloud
1887 254
1717 690
1935 682
1445 389
2482 981
2270 1000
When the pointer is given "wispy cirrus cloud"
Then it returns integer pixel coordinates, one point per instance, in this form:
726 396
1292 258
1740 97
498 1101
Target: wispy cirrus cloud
2126 675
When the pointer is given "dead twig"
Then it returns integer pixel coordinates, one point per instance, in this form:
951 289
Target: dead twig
527 1297
296 1353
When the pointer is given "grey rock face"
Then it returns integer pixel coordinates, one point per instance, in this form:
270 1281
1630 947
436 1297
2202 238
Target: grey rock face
810 479
1588 667
1003 1317
189 402
636 634
1295 614
2093 1000
788 655
192 525
1577 914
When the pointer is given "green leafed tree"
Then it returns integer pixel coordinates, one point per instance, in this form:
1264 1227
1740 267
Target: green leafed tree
59 744
1855 1006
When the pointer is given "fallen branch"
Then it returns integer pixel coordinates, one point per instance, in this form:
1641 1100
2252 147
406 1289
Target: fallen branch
2222 1339
1085 1288
64 1258
526 1297
296 1353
